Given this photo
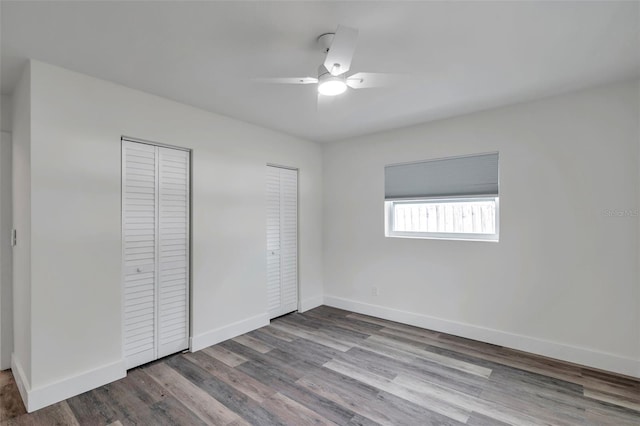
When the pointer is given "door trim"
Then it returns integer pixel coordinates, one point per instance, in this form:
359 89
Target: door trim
280 166
161 145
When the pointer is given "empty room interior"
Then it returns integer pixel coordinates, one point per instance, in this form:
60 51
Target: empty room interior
320 212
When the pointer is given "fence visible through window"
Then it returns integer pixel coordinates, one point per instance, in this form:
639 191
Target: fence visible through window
468 217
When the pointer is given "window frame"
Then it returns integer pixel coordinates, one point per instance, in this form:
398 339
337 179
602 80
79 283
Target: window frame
455 236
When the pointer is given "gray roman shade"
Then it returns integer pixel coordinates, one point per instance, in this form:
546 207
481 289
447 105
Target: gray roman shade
471 175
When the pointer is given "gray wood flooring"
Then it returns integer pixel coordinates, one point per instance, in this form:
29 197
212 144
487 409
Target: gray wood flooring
329 366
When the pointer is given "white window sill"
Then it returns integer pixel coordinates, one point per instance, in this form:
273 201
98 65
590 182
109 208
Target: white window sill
451 237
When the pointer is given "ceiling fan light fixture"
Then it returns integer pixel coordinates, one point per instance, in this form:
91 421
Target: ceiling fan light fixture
332 86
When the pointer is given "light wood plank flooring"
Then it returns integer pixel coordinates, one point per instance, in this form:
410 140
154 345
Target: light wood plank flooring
329 366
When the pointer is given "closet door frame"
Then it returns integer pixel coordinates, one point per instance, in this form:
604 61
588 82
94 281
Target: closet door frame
123 177
298 289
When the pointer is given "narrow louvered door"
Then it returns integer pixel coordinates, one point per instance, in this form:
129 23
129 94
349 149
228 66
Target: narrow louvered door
139 197
282 240
155 201
289 239
273 241
173 245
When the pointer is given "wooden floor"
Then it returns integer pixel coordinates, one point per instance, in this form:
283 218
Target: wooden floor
329 366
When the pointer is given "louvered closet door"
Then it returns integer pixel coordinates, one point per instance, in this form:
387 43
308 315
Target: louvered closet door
273 241
139 252
155 252
282 240
173 308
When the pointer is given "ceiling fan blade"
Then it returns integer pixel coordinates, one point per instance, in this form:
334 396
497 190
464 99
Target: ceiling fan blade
366 80
338 60
288 80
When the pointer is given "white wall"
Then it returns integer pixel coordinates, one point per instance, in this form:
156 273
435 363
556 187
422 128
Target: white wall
563 280
6 255
77 122
21 190
5 113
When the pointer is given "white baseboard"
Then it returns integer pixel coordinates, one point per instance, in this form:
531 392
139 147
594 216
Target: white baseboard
226 332
21 379
310 303
43 396
569 353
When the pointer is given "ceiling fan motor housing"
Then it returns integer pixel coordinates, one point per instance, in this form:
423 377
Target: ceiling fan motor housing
324 75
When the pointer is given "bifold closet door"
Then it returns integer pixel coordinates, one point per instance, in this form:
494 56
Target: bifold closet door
155 251
139 251
173 251
282 240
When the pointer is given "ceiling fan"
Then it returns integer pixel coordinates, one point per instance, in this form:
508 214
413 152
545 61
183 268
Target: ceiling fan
332 77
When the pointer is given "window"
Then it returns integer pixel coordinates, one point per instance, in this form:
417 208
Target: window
463 218
450 198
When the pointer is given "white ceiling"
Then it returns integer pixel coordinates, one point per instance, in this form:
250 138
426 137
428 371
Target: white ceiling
464 56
